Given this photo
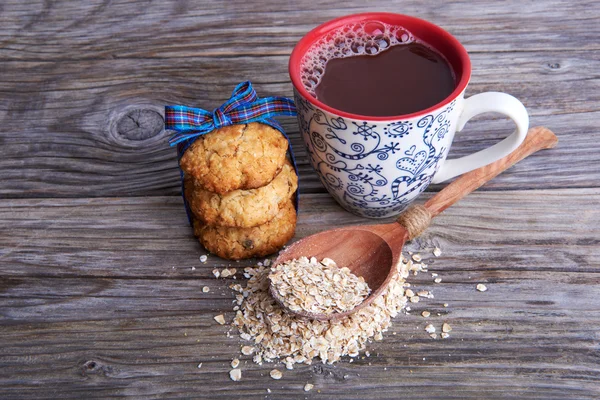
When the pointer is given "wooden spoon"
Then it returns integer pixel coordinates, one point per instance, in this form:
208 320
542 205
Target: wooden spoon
374 251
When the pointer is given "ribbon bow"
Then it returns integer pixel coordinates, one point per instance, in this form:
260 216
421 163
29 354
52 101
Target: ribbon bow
243 107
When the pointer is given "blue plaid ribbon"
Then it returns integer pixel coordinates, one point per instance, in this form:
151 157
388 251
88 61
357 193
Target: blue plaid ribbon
243 107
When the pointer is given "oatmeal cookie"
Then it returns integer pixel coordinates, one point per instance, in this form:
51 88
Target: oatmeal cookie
238 243
245 156
242 208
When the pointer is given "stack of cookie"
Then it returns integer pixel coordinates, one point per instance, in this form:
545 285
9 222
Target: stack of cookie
240 188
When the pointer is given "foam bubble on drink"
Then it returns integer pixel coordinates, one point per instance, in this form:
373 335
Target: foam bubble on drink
365 38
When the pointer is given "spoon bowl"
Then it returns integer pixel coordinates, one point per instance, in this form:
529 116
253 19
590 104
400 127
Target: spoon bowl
362 249
374 251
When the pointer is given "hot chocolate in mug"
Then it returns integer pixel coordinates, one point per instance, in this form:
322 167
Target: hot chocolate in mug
376 165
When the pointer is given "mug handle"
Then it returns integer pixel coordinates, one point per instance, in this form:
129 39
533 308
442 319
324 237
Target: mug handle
481 103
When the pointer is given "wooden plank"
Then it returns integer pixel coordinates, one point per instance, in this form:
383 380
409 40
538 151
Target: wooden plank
150 237
530 351
158 357
98 299
172 29
76 144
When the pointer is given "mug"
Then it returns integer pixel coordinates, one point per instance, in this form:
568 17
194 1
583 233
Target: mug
376 166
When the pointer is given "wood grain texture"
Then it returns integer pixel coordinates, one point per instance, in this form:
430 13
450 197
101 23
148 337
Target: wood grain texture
44 30
93 304
146 237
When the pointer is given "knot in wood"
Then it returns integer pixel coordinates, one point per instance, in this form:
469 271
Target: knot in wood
91 368
140 124
415 220
90 365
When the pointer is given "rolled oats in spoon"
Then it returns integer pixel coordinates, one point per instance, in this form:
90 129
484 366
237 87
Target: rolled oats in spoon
308 285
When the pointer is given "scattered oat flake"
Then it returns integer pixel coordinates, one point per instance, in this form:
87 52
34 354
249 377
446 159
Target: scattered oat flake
235 374
446 327
433 274
279 335
445 304
308 387
416 257
433 335
200 365
220 319
481 287
437 280
426 314
423 293
409 293
247 350
445 335
225 273
234 363
203 258
216 273
205 289
276 374
430 328
437 252
414 299
193 268
268 390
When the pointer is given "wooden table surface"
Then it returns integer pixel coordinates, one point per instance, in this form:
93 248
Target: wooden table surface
100 275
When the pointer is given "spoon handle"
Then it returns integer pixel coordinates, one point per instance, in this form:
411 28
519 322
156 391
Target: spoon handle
417 218
537 138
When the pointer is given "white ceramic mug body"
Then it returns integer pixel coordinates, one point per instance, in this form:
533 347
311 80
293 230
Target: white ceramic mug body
377 168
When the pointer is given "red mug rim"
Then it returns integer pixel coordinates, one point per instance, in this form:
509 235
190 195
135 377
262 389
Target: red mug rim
429 33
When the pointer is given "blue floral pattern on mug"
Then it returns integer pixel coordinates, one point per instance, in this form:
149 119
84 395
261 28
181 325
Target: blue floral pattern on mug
372 168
